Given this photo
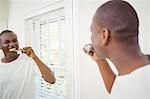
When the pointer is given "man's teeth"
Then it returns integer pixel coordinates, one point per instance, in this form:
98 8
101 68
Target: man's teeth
13 49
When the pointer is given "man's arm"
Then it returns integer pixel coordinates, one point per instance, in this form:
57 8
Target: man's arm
47 74
107 74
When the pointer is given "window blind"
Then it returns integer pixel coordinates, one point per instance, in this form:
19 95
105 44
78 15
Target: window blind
46 34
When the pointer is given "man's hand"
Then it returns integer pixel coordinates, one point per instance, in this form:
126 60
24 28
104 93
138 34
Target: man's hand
28 51
94 57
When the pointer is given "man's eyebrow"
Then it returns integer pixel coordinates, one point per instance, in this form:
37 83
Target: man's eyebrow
15 38
12 39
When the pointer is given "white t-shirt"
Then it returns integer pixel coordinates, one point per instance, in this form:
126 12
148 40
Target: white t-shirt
17 78
135 85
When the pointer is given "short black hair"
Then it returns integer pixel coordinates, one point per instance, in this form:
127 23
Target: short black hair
6 31
121 18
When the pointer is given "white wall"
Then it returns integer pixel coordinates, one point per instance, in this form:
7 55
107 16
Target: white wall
4 6
88 76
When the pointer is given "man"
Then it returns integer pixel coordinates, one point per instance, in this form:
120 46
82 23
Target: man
115 36
17 71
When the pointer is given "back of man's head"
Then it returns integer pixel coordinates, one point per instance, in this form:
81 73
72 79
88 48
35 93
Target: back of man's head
120 18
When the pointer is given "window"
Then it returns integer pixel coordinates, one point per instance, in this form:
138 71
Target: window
46 34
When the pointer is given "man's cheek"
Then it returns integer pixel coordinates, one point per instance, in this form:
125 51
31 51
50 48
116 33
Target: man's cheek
6 45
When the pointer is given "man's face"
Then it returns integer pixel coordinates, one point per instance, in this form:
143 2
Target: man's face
97 40
8 41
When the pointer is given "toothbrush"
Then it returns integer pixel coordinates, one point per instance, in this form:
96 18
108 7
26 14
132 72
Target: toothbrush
88 48
17 51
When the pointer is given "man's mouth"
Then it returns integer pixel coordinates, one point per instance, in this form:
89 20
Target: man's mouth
13 50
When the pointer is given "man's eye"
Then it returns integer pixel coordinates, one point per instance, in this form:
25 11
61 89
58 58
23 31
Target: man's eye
14 40
6 42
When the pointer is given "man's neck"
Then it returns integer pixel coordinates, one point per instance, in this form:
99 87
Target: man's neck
128 61
9 58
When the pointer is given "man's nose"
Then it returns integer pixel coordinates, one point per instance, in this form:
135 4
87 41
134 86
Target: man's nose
12 44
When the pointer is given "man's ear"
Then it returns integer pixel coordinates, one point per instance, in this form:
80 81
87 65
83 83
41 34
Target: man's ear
105 33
